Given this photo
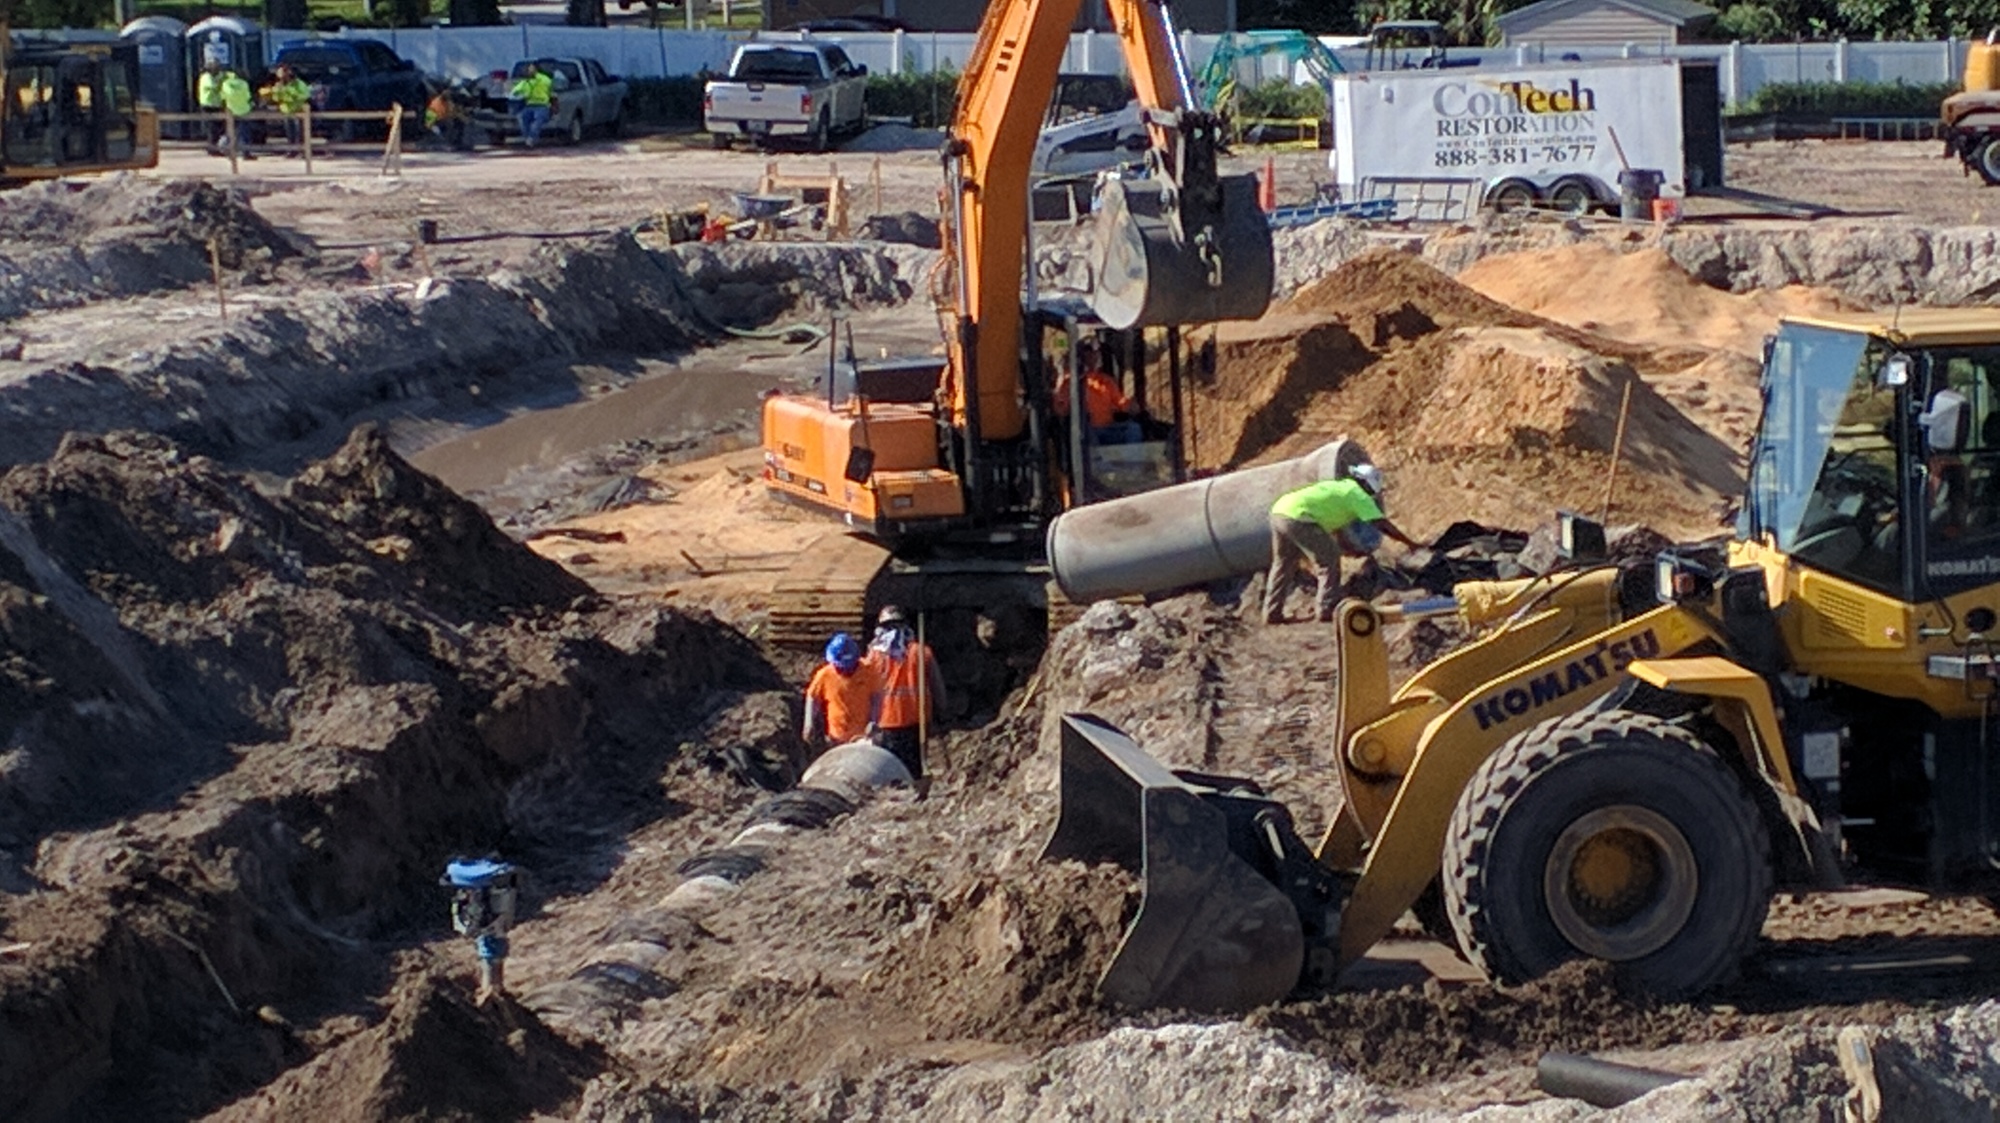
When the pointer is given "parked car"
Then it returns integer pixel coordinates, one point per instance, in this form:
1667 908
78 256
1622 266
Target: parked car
586 99
355 74
800 89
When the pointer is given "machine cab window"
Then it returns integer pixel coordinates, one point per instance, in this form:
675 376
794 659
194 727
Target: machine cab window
1958 426
1825 475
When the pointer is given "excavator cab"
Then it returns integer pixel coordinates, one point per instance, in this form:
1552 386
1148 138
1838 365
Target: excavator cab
1629 759
72 108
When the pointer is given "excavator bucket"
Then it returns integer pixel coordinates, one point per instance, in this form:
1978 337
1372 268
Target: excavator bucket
1213 934
1155 264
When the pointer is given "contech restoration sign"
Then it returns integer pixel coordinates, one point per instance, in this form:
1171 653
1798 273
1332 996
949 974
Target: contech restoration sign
1538 124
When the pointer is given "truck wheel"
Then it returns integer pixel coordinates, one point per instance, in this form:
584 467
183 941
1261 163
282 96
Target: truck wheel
1986 160
616 128
719 141
1614 835
816 141
576 129
1572 196
1512 195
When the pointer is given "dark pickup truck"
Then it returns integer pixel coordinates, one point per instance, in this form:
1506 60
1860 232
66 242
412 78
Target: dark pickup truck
355 74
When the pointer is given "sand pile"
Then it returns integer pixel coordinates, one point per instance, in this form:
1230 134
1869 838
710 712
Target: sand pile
1483 411
1641 297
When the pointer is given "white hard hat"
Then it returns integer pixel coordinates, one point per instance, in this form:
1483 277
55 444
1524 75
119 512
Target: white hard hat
1368 476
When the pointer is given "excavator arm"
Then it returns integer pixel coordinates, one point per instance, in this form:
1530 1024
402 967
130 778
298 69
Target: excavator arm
1177 245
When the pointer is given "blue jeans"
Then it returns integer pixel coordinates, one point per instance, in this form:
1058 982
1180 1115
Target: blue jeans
534 118
1120 433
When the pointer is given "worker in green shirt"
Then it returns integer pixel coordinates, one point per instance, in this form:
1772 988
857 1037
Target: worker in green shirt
1320 523
533 92
289 94
236 99
208 95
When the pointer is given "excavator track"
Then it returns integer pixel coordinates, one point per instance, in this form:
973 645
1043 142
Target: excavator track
825 591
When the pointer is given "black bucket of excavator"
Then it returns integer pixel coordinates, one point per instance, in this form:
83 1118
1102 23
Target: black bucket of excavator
1231 898
1157 260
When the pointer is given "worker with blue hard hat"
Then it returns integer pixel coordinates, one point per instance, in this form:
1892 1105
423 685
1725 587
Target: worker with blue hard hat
843 694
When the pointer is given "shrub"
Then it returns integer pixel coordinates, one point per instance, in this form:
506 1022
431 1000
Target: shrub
925 97
664 101
1277 98
1849 99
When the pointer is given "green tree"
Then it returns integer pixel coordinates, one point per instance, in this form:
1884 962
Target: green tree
1318 17
1749 23
56 13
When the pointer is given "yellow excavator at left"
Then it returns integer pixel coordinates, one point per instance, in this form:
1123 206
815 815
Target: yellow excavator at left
72 109
966 456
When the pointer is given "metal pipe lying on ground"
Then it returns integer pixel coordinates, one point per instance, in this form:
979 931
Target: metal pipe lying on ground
1597 1083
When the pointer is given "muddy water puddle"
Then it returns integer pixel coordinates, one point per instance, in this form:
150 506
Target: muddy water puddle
532 459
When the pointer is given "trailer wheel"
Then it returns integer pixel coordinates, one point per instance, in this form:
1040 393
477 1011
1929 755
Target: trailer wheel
719 141
1572 196
1512 195
1986 160
1613 835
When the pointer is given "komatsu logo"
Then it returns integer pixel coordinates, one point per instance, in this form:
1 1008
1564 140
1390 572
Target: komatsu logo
1579 673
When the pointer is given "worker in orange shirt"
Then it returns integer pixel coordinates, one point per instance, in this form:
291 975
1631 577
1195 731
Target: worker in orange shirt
842 697
1104 402
912 688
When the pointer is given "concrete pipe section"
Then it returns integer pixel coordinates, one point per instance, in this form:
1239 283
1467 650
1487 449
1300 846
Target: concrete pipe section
626 969
1189 534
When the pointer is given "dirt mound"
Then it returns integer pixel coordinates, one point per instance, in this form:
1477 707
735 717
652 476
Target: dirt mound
1017 960
436 1057
65 243
1479 410
246 727
1414 1035
1639 296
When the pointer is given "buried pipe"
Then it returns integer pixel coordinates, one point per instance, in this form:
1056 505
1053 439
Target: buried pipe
1598 1083
627 967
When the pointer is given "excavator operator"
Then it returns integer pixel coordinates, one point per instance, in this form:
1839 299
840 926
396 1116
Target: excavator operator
1105 404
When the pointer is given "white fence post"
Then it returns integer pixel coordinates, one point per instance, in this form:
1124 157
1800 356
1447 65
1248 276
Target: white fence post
1733 75
1840 59
896 52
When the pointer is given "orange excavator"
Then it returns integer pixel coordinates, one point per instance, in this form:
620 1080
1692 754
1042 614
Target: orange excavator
965 457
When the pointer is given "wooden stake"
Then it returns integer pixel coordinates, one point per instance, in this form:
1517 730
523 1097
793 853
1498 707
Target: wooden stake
215 267
392 153
1617 450
233 138
423 252
307 139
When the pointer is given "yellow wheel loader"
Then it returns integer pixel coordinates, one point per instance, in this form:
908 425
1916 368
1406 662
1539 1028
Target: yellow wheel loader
1626 762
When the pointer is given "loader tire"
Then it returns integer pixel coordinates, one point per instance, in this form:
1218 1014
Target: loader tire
1986 160
1614 835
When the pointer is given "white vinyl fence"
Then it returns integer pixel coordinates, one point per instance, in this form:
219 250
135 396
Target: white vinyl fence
637 52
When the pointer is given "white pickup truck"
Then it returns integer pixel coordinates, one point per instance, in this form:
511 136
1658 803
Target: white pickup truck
797 89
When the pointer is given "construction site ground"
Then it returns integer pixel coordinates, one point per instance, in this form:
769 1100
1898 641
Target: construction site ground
327 555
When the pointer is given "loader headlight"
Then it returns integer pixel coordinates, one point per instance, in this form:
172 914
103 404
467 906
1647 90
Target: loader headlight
1580 539
1678 577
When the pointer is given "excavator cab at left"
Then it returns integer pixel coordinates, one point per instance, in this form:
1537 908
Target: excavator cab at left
72 108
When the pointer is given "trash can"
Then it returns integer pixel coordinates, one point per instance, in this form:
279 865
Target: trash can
1637 188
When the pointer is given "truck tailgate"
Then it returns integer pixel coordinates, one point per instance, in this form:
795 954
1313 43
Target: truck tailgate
757 101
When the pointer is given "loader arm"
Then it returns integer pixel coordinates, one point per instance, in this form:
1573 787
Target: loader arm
1423 772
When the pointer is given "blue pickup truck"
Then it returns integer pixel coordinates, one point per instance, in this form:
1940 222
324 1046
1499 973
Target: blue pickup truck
355 74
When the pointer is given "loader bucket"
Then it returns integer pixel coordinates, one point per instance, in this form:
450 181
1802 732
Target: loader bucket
1155 267
1212 933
